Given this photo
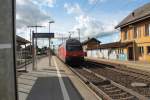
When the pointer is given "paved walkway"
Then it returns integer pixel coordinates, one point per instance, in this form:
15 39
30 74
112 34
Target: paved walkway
51 83
132 64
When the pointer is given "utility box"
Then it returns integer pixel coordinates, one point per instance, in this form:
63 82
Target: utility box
7 50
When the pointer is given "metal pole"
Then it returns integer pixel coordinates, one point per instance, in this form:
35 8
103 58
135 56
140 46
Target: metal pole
36 50
30 41
33 53
49 48
79 33
25 59
134 50
49 44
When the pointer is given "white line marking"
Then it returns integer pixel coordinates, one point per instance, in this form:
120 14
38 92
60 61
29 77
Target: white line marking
5 46
62 85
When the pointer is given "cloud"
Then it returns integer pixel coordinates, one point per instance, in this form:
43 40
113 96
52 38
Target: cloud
95 1
91 27
20 2
28 13
72 8
49 3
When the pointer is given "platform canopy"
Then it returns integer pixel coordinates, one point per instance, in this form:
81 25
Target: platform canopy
21 41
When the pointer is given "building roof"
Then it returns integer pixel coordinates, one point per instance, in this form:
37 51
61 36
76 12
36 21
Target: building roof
137 15
90 40
114 45
21 41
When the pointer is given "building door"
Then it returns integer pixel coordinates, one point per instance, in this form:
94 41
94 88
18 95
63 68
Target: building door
130 53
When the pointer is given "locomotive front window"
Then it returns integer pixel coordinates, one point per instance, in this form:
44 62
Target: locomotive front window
74 47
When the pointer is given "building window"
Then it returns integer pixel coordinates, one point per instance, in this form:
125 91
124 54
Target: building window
135 32
141 50
139 32
148 50
148 30
125 35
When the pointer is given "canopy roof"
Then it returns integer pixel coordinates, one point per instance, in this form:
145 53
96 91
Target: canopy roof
114 45
21 41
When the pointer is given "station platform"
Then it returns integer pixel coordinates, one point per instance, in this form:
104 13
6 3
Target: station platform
55 82
143 66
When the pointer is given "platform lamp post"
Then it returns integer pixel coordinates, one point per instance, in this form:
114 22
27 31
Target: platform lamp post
50 22
30 38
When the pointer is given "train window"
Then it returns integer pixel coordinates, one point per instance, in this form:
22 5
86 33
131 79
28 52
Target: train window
74 47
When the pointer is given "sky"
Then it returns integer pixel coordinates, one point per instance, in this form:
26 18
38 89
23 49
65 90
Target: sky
94 18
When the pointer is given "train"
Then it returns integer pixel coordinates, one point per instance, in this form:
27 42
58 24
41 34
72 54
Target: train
71 52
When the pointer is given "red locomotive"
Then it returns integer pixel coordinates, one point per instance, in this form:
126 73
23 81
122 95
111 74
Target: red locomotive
71 52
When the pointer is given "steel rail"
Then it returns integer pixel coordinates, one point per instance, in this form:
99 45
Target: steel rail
94 87
126 71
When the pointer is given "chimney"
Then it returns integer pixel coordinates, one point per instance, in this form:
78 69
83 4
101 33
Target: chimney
133 14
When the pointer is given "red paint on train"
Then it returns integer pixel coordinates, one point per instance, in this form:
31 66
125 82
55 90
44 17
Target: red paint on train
71 51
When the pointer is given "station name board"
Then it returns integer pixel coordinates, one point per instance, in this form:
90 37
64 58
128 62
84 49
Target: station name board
43 35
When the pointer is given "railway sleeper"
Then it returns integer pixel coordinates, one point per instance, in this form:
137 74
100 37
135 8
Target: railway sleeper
106 86
128 98
120 96
116 91
110 88
102 82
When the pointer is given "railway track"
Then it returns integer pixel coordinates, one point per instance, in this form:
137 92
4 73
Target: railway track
123 69
108 89
126 78
113 83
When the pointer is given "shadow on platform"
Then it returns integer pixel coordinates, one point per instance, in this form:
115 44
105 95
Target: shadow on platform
48 88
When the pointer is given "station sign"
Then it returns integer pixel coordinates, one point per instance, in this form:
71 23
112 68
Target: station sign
43 35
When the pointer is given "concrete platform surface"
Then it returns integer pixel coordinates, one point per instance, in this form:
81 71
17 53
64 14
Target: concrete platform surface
55 82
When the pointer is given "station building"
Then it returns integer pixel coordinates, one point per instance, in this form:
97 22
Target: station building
91 46
135 28
134 44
